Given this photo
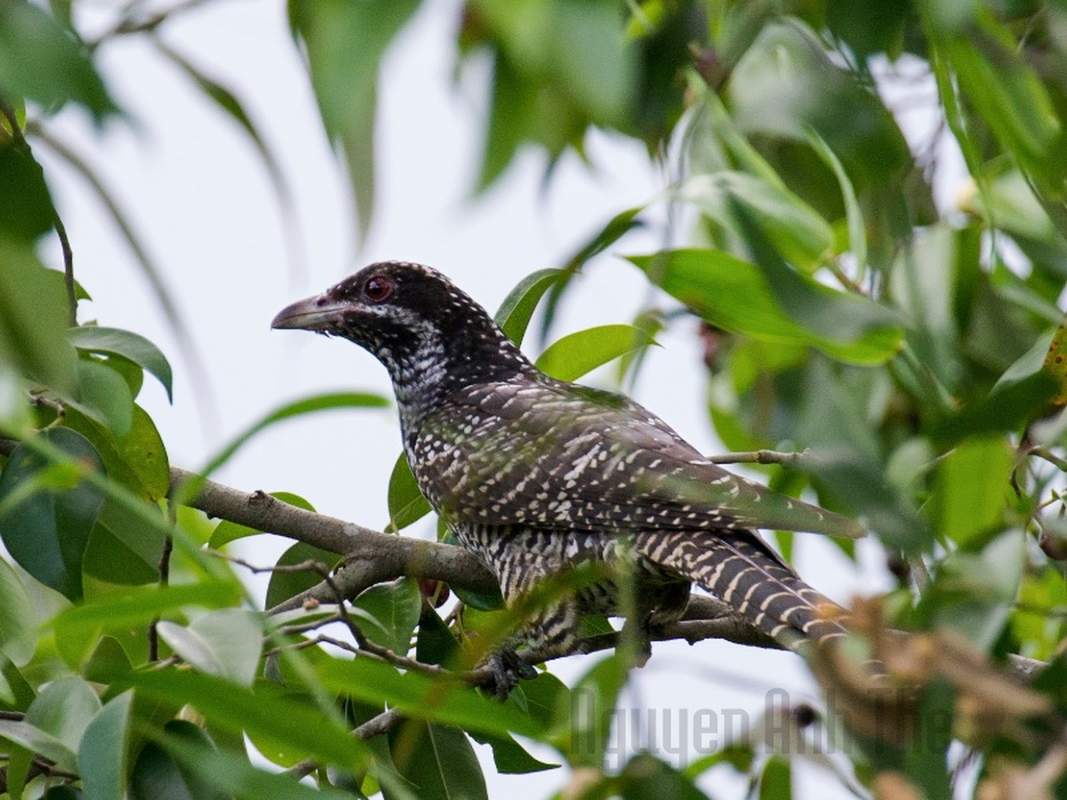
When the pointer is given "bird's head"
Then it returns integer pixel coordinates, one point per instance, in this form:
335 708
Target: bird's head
428 333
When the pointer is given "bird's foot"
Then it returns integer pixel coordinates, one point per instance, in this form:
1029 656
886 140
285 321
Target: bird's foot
508 668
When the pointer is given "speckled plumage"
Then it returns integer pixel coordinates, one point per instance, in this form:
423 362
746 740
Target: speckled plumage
534 475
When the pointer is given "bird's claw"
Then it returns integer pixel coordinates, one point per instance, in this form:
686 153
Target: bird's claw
508 668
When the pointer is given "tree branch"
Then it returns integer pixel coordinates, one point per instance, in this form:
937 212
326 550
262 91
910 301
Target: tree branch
370 556
373 557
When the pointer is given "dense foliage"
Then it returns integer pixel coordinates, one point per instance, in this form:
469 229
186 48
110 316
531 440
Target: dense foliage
907 350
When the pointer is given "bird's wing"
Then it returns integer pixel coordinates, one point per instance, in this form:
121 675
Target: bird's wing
588 459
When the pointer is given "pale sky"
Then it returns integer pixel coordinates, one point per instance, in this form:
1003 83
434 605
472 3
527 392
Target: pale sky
199 198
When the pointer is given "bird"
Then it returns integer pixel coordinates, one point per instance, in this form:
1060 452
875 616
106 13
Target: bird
537 476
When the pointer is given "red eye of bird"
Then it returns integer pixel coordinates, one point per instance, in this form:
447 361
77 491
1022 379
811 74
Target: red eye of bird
377 288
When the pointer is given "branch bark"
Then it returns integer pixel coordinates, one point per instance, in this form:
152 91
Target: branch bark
370 556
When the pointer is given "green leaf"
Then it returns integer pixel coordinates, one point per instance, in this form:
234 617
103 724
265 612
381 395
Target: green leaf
157 774
26 210
583 725
518 307
926 758
646 777
435 643
406 502
284 585
33 318
265 714
345 44
1008 95
200 766
108 662
579 353
438 762
64 709
857 232
146 456
388 613
105 396
139 462
110 555
18 620
786 84
1004 199
226 643
1003 410
14 410
795 229
972 488
615 228
130 372
736 296
16 685
102 755
307 405
38 741
47 511
78 628
975 589
41 61
447 703
129 345
510 757
559 67
776 780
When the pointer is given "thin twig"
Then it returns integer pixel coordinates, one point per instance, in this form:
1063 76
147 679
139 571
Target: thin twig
1049 456
129 22
68 269
762 457
382 723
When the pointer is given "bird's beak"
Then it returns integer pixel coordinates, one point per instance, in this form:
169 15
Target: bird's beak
318 313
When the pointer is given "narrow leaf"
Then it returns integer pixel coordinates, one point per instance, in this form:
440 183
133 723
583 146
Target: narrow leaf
345 43
579 353
37 741
518 307
237 709
199 764
425 698
78 628
307 405
735 295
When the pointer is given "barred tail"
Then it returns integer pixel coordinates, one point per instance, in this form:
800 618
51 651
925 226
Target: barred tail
738 568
